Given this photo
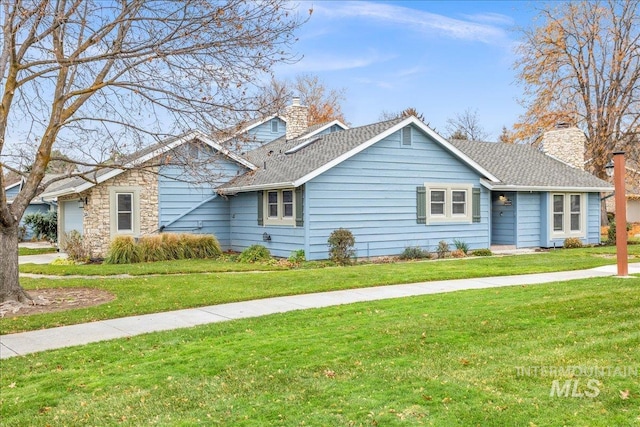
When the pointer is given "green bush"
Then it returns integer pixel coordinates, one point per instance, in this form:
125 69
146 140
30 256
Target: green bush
611 234
297 257
461 246
341 246
44 226
75 247
255 253
414 252
443 249
572 242
482 252
123 250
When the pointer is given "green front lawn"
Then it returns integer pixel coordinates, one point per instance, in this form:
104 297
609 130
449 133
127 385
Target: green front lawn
445 360
36 251
141 295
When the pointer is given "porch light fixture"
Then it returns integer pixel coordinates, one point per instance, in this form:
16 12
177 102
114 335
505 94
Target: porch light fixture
82 202
609 168
266 237
502 197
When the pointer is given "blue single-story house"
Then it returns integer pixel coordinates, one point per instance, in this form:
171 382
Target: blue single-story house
37 205
394 184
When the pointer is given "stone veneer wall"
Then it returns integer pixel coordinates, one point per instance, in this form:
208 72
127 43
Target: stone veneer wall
97 215
297 117
567 145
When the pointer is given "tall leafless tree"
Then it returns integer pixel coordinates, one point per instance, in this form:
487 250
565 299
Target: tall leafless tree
95 77
467 126
580 64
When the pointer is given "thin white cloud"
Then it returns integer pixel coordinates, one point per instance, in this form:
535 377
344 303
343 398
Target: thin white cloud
491 18
407 72
418 20
336 62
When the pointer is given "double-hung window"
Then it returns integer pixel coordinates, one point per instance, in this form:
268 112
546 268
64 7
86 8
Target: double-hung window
124 208
448 203
568 215
280 207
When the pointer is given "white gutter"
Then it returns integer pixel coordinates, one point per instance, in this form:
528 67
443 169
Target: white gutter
506 187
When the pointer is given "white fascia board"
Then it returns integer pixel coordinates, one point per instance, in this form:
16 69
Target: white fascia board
9 187
324 127
505 187
249 188
409 120
179 141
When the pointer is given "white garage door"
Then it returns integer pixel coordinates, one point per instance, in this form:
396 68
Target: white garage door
72 216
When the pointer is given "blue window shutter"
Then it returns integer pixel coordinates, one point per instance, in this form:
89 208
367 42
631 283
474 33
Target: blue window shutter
260 208
300 206
475 202
421 205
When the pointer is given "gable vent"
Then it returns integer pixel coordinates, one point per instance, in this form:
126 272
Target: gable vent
406 136
301 146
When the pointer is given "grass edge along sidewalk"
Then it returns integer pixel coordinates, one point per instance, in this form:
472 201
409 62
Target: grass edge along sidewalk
47 339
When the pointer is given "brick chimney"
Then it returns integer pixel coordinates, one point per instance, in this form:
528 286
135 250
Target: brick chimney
566 143
297 118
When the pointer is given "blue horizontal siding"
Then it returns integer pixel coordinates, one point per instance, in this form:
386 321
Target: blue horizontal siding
373 194
593 218
177 196
528 217
245 230
262 134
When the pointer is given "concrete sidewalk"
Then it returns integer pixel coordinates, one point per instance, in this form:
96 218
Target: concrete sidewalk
67 336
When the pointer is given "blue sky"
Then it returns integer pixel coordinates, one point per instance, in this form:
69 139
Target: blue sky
440 57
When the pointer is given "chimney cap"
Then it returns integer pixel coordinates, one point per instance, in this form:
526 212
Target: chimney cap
563 124
295 101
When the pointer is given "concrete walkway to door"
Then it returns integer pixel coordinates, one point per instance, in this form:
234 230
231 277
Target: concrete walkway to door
66 336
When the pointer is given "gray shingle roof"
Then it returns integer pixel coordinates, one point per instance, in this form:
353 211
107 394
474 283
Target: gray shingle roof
514 165
522 165
275 166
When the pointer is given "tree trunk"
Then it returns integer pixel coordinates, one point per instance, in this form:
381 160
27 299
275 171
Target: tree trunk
10 288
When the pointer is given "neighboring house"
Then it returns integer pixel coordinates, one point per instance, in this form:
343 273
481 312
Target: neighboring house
394 184
632 188
37 205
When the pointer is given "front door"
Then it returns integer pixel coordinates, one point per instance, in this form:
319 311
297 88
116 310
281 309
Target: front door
503 218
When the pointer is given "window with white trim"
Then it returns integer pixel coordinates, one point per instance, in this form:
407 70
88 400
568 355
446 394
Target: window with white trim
448 203
275 126
568 214
124 209
280 207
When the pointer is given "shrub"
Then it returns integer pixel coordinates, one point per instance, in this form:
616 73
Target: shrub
297 257
200 246
123 250
255 253
44 226
443 249
152 249
482 252
611 234
341 246
22 233
461 246
572 242
458 253
172 246
75 247
414 252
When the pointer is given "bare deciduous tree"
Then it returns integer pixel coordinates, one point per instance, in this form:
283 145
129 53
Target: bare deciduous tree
407 112
466 126
581 64
92 78
324 103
